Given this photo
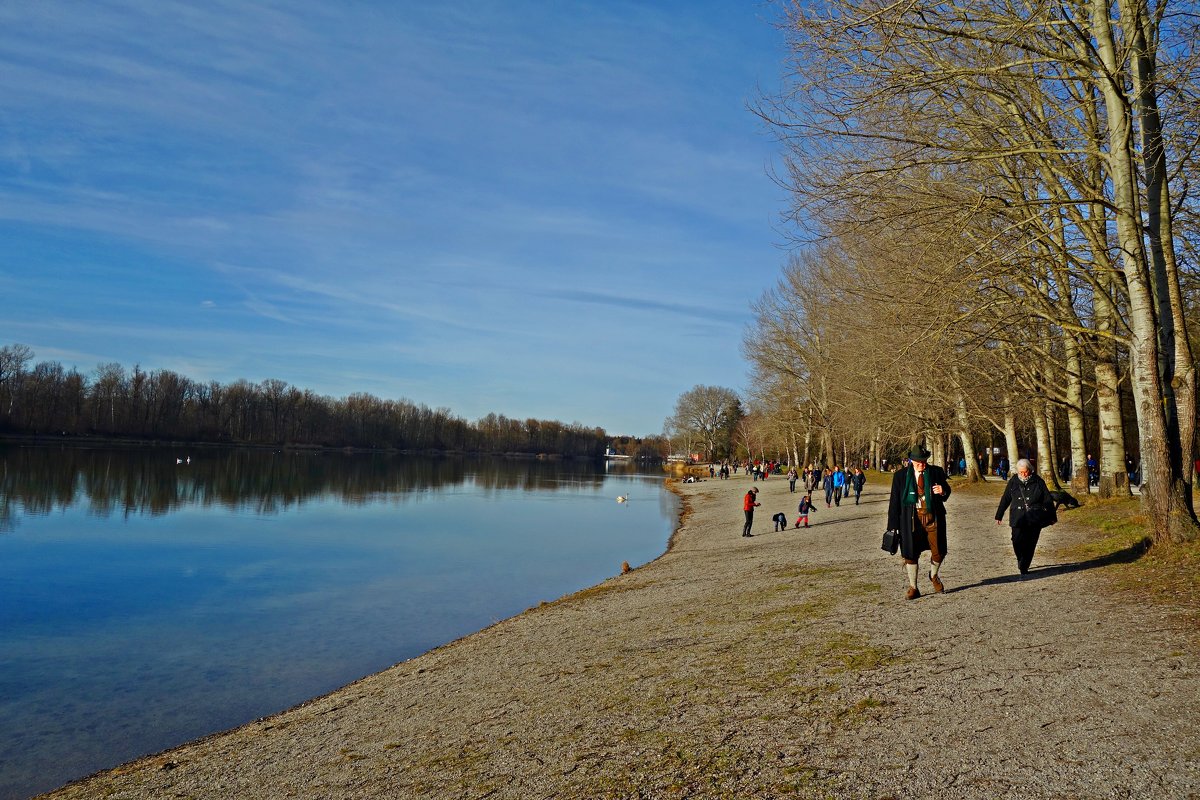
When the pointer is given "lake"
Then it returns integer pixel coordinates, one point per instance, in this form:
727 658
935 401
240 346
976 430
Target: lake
145 602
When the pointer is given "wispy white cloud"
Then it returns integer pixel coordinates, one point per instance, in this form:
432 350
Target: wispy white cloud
415 196
638 304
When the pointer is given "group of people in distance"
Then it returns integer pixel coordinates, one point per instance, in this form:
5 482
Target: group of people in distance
836 482
917 511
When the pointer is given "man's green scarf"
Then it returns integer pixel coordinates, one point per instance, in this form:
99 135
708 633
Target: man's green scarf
910 488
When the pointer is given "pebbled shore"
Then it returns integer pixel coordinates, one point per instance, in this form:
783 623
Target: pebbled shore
787 664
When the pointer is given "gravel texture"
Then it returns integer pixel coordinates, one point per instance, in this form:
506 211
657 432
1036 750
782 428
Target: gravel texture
783 665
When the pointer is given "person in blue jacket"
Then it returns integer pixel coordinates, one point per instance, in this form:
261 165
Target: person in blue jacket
839 484
827 485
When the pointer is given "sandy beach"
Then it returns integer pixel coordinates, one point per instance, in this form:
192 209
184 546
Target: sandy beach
782 665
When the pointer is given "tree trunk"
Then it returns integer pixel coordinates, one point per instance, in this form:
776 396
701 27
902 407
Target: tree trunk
1042 438
1110 425
1010 432
1075 420
1163 498
1052 444
964 438
1178 378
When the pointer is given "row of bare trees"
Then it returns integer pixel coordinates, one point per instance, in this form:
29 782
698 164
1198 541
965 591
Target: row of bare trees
994 204
47 398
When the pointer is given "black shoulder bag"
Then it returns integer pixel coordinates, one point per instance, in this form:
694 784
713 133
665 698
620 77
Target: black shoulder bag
891 541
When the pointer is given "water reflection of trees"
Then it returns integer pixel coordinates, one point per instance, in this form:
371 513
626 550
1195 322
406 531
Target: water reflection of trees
40 480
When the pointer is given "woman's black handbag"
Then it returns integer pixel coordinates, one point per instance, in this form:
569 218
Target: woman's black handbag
891 541
1044 517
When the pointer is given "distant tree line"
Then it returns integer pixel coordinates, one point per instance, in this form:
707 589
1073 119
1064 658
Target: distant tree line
47 398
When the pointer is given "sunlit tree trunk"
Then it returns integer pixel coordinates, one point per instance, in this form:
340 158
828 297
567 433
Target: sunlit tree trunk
1169 510
1042 441
1177 367
1010 431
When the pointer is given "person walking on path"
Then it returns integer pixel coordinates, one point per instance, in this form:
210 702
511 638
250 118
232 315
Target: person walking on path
749 503
827 485
839 485
1031 508
804 509
917 509
857 481
792 477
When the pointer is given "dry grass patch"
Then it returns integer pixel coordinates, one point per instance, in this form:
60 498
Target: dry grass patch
1165 574
798 571
607 588
842 652
674 765
792 617
866 708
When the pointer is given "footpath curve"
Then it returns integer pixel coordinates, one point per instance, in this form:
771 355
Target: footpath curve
783 665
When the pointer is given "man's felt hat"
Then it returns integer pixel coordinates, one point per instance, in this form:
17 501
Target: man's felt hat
918 453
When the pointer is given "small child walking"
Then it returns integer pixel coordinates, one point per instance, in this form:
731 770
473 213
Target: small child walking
805 507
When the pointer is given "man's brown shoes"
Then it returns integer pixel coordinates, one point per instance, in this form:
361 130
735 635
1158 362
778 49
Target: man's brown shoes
912 594
937 583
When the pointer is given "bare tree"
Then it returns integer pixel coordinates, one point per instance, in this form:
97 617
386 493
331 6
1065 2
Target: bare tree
708 415
13 358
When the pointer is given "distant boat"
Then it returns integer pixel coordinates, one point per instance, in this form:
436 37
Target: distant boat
613 455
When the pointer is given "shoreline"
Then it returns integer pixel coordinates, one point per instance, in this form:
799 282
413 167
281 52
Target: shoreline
787 663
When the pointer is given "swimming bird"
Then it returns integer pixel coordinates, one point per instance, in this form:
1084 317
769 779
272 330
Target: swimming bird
621 498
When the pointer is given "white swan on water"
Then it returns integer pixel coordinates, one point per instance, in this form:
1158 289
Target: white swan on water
621 498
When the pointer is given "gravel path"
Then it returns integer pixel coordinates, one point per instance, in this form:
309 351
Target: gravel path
783 665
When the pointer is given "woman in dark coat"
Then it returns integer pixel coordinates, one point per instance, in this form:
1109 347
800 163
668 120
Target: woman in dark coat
827 485
917 509
1032 507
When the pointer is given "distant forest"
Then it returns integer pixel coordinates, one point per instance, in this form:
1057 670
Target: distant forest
48 399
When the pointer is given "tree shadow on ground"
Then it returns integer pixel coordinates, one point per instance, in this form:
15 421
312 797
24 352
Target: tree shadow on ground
1126 555
869 502
826 523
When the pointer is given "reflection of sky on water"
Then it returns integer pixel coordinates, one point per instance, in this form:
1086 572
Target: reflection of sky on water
128 633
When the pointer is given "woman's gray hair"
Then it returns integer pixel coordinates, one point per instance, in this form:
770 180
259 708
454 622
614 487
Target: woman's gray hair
1024 462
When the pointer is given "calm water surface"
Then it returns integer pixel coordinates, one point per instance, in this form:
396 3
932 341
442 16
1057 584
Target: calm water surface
144 603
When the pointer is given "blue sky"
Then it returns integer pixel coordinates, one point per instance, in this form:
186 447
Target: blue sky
558 210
